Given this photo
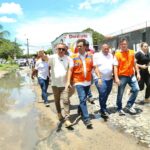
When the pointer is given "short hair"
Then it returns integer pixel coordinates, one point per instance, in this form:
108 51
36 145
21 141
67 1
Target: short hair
82 40
122 40
142 44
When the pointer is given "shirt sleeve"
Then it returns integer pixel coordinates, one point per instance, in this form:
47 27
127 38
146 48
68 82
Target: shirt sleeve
95 59
50 60
115 61
71 64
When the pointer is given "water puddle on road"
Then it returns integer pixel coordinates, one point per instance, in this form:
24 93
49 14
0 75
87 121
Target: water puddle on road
19 119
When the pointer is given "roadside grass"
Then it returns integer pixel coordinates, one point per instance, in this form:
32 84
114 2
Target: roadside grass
8 67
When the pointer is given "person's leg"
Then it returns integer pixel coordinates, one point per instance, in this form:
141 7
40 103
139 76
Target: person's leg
47 83
121 88
134 91
65 95
82 94
42 83
102 94
57 101
109 84
147 91
66 102
90 97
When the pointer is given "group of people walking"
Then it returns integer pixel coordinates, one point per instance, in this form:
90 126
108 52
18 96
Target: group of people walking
79 70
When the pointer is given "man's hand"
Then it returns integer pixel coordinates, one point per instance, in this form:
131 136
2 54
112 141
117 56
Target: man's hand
144 67
138 77
117 81
149 69
99 81
68 85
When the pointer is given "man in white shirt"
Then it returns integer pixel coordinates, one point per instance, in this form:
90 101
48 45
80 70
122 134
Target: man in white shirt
60 64
42 69
103 60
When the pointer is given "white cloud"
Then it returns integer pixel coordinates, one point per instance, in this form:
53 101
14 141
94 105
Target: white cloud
87 4
10 8
43 31
6 19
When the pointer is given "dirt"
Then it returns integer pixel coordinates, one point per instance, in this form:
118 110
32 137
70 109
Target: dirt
102 136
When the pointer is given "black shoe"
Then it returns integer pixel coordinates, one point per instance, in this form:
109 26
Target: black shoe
104 115
79 111
88 124
91 100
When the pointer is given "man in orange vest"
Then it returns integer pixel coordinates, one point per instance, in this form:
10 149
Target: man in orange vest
124 73
80 75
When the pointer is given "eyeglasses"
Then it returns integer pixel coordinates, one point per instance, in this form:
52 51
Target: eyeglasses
79 45
63 49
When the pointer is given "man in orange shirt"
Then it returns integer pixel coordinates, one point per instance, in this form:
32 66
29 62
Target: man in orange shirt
80 75
124 73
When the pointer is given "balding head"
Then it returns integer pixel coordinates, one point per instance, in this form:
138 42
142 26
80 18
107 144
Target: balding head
105 49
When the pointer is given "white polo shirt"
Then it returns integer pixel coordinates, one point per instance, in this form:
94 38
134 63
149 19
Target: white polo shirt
43 69
105 65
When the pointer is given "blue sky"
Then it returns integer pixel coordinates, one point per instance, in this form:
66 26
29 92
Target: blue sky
42 21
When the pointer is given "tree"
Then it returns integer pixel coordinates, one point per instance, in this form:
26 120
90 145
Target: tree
8 48
49 51
97 37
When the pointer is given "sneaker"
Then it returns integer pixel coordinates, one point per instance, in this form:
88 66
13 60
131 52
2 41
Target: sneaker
88 124
130 110
60 117
121 113
47 104
68 123
104 115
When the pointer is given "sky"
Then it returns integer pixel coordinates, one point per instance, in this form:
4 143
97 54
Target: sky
41 22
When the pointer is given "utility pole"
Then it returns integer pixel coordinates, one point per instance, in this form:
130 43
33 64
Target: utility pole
27 47
146 32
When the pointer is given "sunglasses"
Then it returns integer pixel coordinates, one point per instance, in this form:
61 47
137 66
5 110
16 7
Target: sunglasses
63 49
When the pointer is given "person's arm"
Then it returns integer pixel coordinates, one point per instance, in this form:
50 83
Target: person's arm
34 73
98 74
115 69
142 66
69 73
117 80
137 71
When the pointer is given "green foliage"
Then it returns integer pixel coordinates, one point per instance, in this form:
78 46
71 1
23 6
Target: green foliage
97 37
8 67
8 48
49 51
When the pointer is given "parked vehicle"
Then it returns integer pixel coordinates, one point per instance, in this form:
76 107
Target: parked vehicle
21 62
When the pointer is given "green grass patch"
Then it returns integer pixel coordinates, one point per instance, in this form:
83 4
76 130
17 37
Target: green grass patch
8 67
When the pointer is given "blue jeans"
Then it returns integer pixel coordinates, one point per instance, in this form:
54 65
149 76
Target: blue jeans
89 94
132 81
82 94
104 90
44 85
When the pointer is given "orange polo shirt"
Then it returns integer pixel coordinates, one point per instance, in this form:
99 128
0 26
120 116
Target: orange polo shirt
126 62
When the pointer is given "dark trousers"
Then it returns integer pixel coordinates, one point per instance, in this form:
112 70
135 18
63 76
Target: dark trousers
145 80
